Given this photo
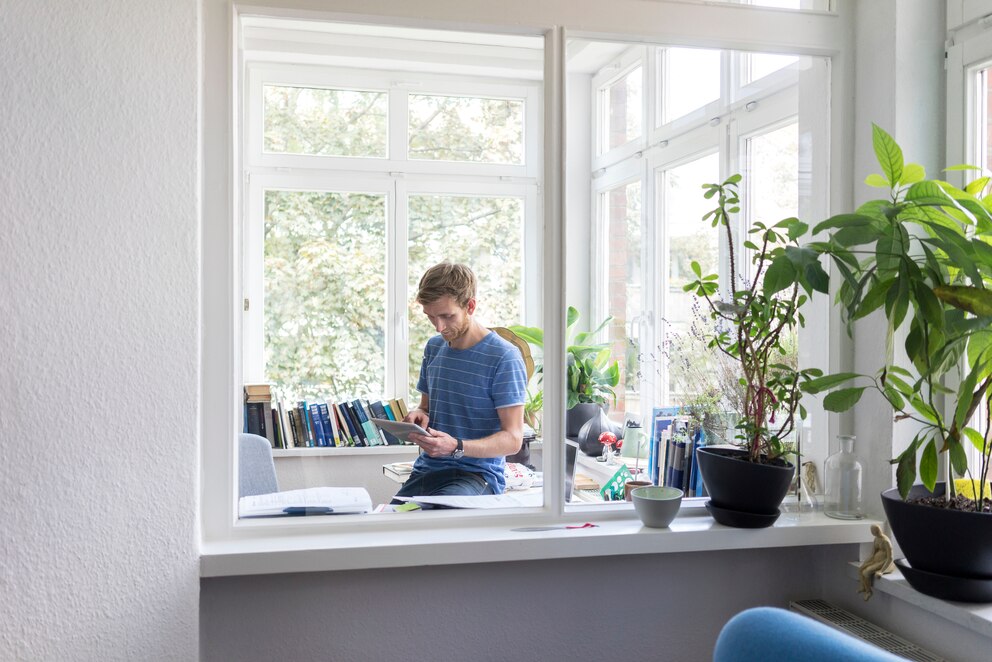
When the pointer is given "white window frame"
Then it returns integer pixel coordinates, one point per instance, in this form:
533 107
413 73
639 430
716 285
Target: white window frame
398 85
721 126
969 51
393 175
233 547
628 61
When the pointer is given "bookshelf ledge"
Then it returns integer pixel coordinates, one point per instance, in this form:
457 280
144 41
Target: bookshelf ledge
974 617
441 543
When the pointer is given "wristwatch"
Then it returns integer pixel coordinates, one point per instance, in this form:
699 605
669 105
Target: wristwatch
459 450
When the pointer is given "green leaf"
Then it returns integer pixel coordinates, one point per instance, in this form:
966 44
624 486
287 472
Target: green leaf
797 229
877 181
974 300
966 391
780 275
842 221
959 459
928 465
874 298
912 173
696 269
823 383
888 153
894 398
906 471
928 305
976 439
817 277
843 399
530 334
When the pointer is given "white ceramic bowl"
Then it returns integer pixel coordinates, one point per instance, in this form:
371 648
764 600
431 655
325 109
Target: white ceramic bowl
657 506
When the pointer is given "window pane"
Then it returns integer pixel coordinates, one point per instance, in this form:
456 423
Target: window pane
325 265
482 232
623 109
773 175
983 128
690 80
625 285
688 367
472 129
759 65
324 122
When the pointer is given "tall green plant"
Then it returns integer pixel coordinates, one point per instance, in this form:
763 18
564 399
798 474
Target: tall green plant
590 375
923 255
754 319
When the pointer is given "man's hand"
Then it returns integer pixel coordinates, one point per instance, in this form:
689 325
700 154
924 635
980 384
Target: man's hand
418 416
437 444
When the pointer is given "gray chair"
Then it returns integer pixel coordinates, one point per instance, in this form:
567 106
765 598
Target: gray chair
256 470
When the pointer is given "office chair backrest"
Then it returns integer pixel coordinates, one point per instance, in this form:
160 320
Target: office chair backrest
256 470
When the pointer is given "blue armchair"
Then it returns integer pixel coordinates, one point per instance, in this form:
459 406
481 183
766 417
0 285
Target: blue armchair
767 634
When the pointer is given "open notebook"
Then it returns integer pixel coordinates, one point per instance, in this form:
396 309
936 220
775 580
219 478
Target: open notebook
309 501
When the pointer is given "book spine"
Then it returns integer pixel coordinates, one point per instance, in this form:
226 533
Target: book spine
387 407
368 430
276 432
343 426
330 426
356 425
287 428
256 418
403 408
306 428
294 427
319 437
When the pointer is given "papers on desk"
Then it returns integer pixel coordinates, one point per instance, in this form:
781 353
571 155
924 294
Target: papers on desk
309 501
484 501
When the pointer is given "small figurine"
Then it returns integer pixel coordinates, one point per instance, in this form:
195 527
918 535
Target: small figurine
607 439
878 564
809 476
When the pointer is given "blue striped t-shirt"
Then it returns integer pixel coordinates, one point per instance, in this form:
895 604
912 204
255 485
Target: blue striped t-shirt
465 387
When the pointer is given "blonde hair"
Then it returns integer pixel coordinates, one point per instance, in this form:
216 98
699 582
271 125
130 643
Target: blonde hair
447 280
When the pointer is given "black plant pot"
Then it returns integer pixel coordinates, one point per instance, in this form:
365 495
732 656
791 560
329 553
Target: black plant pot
738 486
578 415
940 541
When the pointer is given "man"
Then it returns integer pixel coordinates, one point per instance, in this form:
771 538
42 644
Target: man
473 388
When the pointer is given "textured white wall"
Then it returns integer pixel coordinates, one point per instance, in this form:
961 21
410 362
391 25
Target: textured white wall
99 310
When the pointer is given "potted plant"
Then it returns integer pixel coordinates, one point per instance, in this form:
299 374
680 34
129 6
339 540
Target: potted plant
923 256
591 377
753 319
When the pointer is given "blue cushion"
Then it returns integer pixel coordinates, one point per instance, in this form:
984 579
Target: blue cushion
256 471
767 634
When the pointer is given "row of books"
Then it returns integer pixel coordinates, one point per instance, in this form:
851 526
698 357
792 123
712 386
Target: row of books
672 459
318 424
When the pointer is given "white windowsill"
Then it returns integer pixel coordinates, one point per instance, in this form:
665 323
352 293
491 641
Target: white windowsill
443 545
975 617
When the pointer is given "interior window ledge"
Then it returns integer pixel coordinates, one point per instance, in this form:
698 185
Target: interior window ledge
975 617
447 545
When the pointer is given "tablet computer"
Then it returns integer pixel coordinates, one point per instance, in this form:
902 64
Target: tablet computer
399 429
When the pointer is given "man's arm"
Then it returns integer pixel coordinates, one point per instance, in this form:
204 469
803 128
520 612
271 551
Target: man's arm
505 442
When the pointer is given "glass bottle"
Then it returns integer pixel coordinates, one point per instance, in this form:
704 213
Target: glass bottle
842 495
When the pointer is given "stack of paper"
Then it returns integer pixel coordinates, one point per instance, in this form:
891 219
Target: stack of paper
310 501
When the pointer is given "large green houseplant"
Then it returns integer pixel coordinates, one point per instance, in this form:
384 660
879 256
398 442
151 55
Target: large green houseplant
753 320
923 256
591 377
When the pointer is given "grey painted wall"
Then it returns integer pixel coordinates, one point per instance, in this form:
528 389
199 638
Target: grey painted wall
648 607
